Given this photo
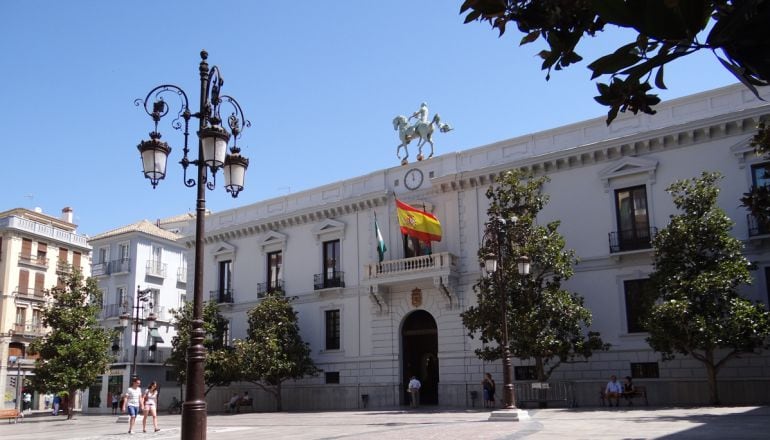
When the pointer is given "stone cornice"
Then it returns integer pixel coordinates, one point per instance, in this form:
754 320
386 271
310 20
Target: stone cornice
302 216
638 144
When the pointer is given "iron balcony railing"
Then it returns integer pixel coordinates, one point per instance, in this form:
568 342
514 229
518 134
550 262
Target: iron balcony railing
111 311
122 265
631 239
756 226
222 296
268 287
30 293
100 269
28 329
156 268
328 280
33 260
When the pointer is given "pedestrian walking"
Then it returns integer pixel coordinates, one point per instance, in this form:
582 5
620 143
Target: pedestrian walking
151 406
414 391
133 402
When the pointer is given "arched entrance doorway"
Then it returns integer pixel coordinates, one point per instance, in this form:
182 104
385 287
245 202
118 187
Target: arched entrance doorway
419 355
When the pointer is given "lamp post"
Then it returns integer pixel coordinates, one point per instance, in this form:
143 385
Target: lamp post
142 296
212 144
494 263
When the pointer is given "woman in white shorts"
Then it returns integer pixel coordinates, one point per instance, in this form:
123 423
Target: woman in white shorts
151 406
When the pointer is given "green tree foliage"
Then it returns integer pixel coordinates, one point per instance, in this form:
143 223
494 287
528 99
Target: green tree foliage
666 30
76 351
221 367
545 322
698 269
273 350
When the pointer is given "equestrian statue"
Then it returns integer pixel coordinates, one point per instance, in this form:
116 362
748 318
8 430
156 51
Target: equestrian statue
422 129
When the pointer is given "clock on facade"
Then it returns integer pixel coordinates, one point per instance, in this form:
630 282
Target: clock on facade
413 178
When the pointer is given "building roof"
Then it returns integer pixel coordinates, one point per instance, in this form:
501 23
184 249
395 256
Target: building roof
143 226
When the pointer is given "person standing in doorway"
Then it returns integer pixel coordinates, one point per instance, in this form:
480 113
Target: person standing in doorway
133 402
414 391
115 398
151 406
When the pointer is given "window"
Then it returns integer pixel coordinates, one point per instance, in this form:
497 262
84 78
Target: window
332 329
644 370
274 275
414 247
104 254
124 251
637 306
76 260
225 280
760 174
21 315
37 317
157 254
182 299
26 248
42 252
332 376
633 223
121 299
524 372
331 256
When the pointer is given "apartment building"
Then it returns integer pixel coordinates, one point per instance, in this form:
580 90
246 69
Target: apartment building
35 248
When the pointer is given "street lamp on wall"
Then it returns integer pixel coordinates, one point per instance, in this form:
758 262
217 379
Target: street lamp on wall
213 140
497 240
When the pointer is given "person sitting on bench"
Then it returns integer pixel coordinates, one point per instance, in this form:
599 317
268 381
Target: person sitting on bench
613 390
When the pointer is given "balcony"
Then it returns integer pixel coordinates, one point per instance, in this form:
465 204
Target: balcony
631 239
222 296
28 330
38 261
30 293
111 311
156 269
100 269
27 225
329 280
265 288
143 355
438 269
122 265
181 275
756 227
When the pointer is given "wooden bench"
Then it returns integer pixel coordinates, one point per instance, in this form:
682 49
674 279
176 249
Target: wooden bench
247 403
11 414
640 392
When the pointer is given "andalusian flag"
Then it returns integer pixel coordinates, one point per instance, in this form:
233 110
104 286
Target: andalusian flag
421 225
381 248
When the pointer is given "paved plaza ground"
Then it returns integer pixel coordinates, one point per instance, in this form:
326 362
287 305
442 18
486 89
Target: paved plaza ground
706 423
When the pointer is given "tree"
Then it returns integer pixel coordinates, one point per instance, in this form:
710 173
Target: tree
546 323
666 31
220 368
273 350
76 351
698 267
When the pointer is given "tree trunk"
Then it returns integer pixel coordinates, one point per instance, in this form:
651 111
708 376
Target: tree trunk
278 403
70 403
711 374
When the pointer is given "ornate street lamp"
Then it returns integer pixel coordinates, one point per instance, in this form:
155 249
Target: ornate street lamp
213 139
496 238
142 297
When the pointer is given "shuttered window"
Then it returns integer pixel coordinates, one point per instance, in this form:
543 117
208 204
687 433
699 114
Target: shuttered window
23 281
39 284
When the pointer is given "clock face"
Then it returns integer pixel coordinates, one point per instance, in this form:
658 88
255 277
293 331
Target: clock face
413 178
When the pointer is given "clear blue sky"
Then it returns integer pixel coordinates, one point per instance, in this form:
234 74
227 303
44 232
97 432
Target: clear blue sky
320 82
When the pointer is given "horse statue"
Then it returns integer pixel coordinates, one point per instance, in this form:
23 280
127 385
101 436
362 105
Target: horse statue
422 130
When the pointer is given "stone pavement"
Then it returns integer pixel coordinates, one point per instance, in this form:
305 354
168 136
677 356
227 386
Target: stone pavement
705 423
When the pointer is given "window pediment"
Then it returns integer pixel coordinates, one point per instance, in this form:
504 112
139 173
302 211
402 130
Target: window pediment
273 241
329 229
222 250
629 166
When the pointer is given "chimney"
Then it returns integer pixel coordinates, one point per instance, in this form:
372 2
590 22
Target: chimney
66 214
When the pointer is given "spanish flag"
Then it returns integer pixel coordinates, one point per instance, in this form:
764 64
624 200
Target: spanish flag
421 225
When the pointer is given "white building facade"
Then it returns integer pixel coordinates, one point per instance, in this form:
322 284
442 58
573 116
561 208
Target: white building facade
371 326
140 256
